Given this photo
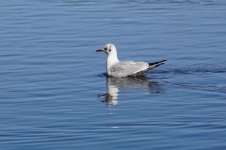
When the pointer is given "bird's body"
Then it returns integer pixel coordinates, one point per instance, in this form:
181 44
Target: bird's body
116 68
127 68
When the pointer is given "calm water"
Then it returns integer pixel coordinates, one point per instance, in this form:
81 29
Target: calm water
54 93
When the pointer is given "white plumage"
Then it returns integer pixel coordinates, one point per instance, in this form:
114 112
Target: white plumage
118 68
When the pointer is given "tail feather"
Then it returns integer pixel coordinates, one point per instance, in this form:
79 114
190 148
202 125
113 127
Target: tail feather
156 64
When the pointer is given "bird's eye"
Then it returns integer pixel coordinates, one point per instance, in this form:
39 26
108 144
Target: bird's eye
105 48
109 50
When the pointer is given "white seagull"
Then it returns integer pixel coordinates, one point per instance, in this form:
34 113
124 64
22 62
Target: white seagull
116 68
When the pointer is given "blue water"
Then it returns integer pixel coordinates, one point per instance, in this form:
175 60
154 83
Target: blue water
54 93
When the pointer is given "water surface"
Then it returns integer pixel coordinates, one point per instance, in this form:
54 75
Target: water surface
54 93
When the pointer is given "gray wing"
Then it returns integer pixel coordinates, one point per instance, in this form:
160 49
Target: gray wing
127 68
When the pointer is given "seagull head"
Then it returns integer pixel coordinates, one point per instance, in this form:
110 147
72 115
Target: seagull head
109 49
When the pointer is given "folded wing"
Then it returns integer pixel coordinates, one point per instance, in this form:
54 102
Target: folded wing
128 68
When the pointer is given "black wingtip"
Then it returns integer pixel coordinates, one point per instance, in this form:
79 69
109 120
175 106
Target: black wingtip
156 64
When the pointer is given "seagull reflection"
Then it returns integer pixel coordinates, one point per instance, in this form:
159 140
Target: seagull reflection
114 84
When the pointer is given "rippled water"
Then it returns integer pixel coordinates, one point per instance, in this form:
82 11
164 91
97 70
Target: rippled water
54 93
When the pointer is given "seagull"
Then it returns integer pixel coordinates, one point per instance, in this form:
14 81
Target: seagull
116 68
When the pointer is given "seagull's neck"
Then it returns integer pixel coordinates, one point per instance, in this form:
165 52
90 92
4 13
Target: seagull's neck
111 60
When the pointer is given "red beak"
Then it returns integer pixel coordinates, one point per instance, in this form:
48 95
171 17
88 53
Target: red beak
100 50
